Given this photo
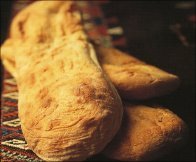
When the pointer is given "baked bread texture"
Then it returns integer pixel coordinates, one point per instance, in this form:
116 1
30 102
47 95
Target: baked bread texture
45 21
147 133
68 108
133 78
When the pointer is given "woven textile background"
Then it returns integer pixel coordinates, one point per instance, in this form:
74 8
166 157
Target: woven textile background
105 31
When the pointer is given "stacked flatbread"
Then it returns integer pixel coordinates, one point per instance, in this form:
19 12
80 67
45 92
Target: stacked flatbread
68 106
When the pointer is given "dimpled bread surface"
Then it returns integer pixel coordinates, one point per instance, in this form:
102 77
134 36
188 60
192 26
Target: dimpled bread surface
133 78
147 133
68 108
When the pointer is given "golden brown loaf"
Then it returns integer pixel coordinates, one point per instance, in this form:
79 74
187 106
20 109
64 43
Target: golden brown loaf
133 78
44 21
146 134
68 109
7 56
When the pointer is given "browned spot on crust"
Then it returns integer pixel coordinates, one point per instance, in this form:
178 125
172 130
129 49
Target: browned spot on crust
62 65
46 102
53 55
45 69
20 25
84 92
42 54
21 28
130 73
32 79
71 65
42 93
101 96
37 62
125 71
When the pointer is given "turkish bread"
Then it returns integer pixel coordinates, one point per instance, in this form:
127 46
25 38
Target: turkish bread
147 133
68 109
43 22
133 78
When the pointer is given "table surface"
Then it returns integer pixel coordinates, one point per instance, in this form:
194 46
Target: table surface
161 34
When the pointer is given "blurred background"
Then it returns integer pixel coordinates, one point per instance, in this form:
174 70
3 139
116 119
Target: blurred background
161 33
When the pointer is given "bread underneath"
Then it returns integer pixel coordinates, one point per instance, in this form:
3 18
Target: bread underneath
147 133
133 78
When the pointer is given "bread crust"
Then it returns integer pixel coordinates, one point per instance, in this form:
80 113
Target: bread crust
147 133
133 78
68 108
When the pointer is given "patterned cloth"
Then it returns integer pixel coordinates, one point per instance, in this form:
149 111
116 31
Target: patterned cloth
13 145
